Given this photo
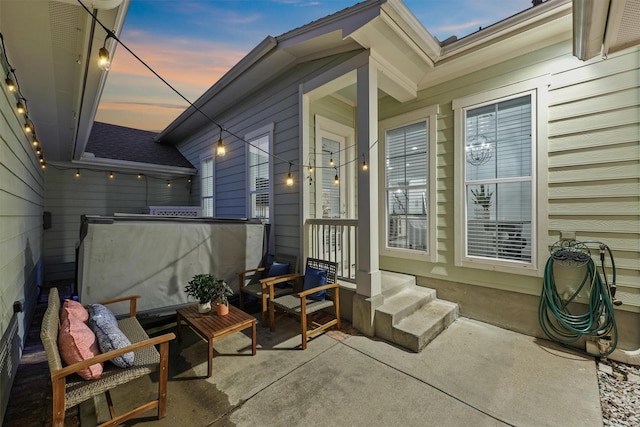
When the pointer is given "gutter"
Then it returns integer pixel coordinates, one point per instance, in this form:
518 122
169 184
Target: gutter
534 16
125 165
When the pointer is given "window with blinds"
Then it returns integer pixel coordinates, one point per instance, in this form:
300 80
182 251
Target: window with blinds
406 187
259 177
498 179
206 184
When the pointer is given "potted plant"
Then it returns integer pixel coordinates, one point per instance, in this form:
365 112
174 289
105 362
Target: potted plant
221 295
203 288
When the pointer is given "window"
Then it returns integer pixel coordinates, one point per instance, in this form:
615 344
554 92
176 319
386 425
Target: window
409 205
259 173
206 185
498 142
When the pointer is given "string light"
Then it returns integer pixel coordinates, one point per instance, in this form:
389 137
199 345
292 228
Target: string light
220 148
289 177
139 176
28 128
104 60
20 108
43 164
169 184
36 143
111 176
364 163
10 84
189 180
77 173
336 179
38 150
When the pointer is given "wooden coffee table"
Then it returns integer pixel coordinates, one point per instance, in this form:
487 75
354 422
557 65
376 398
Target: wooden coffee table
213 327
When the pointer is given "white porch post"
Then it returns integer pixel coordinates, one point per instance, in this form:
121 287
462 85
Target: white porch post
368 287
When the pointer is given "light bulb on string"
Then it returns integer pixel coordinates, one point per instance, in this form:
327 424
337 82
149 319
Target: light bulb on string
168 184
220 148
77 173
111 175
289 177
10 84
28 128
20 108
336 179
38 150
364 163
35 142
331 162
104 59
139 176
43 164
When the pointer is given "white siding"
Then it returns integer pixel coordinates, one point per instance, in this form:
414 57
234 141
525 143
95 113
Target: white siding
21 200
69 197
593 160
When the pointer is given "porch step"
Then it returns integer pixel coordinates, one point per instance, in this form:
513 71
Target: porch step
413 317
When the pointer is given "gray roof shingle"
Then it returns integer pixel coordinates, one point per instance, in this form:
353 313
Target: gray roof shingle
122 143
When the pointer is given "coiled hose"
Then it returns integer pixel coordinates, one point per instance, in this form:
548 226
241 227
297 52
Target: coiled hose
561 325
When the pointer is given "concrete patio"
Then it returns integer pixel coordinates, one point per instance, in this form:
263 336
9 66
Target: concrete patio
472 374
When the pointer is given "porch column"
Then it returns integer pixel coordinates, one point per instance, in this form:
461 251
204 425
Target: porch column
368 287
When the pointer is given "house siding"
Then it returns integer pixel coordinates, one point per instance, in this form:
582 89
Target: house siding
593 162
276 103
69 197
21 207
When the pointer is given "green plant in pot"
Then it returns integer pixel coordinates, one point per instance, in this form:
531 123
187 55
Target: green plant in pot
203 288
222 292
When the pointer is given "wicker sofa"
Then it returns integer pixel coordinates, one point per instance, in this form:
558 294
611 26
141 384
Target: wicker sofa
69 389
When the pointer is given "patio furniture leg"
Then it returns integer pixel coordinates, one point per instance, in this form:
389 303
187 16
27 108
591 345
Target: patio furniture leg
163 371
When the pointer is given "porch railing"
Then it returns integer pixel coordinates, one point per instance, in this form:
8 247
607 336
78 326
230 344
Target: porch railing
334 240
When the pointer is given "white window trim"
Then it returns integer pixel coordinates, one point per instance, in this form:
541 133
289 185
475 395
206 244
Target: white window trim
204 157
264 130
428 114
538 87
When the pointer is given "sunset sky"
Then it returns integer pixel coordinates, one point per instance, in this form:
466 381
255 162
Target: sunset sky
192 43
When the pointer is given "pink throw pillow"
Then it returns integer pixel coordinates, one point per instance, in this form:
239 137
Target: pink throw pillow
77 342
71 307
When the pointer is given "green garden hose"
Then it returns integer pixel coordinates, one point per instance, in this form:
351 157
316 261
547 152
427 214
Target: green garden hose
558 321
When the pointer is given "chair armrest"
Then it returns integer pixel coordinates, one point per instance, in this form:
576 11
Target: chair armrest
242 274
307 292
132 303
270 282
72 369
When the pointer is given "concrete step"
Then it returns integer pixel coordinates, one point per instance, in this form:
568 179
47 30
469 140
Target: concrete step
422 326
393 283
399 306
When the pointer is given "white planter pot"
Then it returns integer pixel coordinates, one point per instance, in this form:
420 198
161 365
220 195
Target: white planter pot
204 308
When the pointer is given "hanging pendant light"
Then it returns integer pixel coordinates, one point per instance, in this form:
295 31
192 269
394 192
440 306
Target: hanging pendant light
220 148
289 177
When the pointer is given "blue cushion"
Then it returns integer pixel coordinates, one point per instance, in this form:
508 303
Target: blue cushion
314 278
109 336
278 269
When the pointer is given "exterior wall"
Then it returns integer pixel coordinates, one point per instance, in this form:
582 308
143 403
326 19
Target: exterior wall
21 206
278 104
593 169
68 197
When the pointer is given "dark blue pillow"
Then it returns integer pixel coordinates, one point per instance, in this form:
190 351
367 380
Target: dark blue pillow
314 278
278 269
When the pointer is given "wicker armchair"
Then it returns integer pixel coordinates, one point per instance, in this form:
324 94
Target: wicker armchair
253 282
70 390
304 303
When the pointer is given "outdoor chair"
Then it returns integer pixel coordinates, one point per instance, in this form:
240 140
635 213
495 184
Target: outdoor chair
253 281
319 291
69 389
